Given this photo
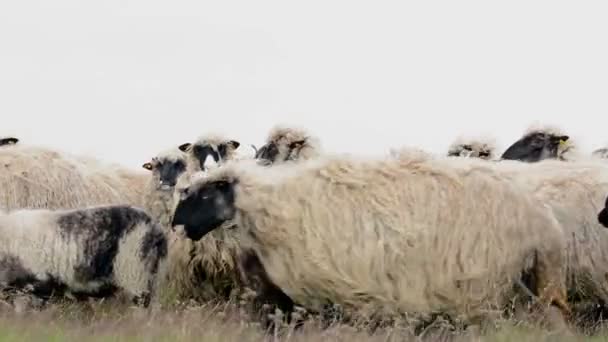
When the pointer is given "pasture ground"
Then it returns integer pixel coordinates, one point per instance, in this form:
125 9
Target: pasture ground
109 321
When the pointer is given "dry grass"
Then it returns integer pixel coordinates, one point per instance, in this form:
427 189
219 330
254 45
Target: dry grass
109 321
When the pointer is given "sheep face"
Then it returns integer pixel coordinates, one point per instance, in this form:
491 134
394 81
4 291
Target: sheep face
201 209
8 141
601 153
207 154
279 152
166 172
535 147
602 217
467 151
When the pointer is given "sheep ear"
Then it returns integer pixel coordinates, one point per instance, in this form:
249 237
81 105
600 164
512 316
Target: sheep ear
234 144
147 166
184 147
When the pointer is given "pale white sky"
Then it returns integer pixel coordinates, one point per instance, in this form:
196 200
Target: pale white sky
124 79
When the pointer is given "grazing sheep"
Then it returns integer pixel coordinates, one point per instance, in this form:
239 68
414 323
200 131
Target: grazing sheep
602 217
288 143
209 150
4 141
481 147
92 251
541 142
393 236
575 191
39 178
601 153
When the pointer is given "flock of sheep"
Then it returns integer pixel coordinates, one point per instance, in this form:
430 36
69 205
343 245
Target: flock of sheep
466 234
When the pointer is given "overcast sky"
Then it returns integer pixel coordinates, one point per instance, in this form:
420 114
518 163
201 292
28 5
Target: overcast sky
123 79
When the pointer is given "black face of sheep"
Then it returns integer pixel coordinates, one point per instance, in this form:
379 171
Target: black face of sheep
602 217
535 147
167 171
267 154
8 141
202 210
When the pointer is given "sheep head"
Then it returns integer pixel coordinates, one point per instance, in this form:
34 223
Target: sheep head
166 169
205 206
536 146
210 150
8 141
602 217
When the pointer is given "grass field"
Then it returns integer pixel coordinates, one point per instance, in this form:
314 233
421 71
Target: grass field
108 321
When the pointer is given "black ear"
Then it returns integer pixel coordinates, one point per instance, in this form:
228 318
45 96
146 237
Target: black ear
184 147
8 141
234 144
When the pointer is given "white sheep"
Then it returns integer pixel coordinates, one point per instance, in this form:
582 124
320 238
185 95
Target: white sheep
40 178
576 192
392 236
91 251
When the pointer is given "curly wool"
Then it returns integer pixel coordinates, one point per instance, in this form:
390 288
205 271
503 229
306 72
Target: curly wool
392 235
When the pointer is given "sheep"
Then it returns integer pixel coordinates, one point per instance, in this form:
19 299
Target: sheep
287 144
40 178
541 142
95 251
209 150
5 141
601 153
166 167
575 192
602 217
395 235
475 147
199 270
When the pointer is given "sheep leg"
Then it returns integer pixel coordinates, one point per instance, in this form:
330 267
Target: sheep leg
550 285
254 275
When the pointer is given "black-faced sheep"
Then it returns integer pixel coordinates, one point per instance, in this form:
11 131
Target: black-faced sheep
92 251
200 270
481 147
602 217
209 150
5 141
288 143
539 143
391 236
39 178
